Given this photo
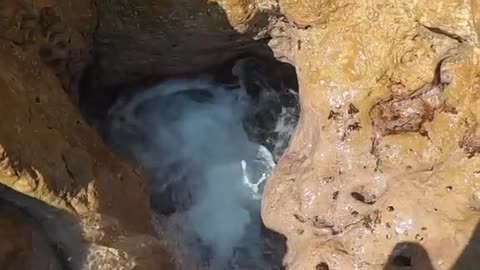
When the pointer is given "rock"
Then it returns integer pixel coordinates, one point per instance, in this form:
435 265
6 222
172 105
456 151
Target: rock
318 13
402 166
49 153
24 244
154 43
386 152
238 11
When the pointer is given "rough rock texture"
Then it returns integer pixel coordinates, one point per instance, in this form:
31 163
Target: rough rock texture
384 165
163 38
138 42
385 162
49 153
97 209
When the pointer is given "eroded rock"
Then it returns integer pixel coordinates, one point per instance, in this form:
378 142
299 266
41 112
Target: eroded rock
386 153
354 186
49 153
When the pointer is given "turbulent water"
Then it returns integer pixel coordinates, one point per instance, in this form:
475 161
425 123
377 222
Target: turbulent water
206 172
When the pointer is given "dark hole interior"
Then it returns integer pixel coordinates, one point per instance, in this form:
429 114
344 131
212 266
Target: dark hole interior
401 260
364 197
322 266
266 91
409 255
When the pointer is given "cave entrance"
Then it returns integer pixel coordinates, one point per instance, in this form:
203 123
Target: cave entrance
208 143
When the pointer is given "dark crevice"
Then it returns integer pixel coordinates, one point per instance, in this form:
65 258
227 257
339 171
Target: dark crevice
65 165
266 82
440 31
364 198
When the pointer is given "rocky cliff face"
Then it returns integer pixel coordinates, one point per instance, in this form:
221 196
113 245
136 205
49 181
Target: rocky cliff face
384 163
49 153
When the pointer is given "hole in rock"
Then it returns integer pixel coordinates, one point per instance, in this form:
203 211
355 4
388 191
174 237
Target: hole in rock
208 143
322 266
364 197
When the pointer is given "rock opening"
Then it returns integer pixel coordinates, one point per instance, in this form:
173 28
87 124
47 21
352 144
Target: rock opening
208 143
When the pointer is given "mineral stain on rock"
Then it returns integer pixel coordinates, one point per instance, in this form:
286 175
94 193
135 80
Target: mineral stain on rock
408 113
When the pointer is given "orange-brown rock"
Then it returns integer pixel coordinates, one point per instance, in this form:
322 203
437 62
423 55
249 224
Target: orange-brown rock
384 165
49 153
398 174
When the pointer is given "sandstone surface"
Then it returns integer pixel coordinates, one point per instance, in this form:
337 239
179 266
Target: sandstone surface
383 170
